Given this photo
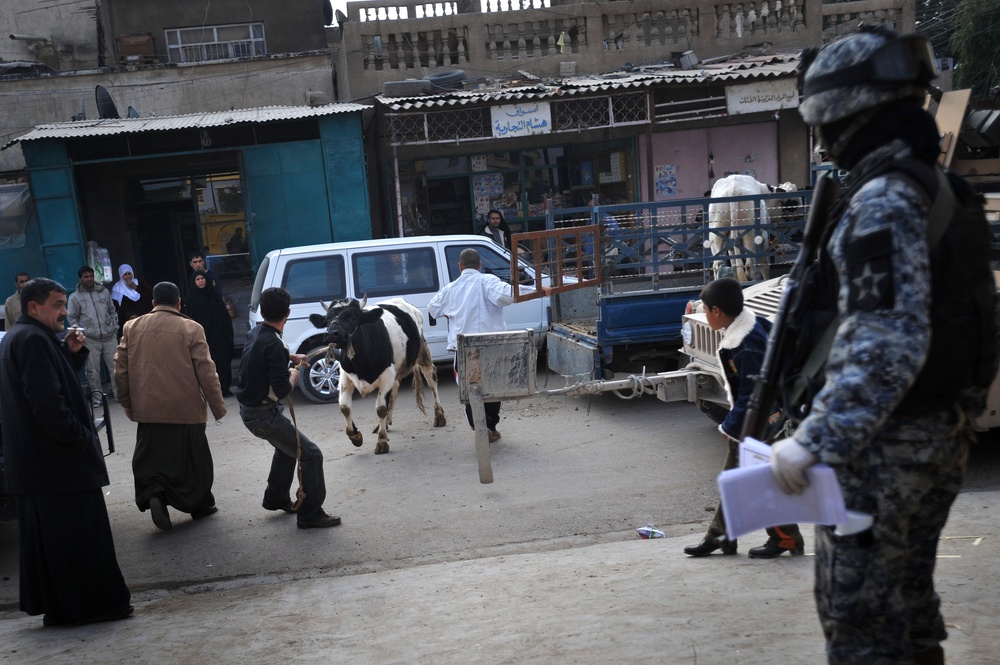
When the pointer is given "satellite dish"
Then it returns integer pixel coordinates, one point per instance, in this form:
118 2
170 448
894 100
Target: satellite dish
133 112
105 105
341 18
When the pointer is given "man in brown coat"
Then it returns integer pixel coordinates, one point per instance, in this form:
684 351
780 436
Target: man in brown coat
165 378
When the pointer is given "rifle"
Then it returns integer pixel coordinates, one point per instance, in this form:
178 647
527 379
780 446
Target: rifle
787 321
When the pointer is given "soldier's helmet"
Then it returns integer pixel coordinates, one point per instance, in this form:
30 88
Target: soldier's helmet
861 71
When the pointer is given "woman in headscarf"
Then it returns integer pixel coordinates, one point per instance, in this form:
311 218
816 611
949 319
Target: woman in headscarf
133 297
206 307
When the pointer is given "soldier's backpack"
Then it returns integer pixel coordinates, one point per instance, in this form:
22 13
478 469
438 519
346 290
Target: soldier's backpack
963 356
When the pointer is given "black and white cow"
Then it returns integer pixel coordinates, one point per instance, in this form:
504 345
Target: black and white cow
380 346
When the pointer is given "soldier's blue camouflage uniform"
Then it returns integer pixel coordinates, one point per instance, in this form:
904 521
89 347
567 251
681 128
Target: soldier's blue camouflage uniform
874 590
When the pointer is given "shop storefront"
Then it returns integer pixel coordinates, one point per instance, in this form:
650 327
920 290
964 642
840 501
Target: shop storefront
454 194
666 134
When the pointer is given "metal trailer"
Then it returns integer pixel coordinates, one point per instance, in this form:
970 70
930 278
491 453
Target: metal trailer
504 366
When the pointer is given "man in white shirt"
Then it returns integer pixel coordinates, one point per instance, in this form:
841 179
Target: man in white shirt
473 303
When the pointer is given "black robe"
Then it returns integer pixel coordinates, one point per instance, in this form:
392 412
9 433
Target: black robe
206 307
55 468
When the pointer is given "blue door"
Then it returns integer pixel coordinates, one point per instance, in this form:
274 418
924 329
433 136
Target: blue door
52 188
287 196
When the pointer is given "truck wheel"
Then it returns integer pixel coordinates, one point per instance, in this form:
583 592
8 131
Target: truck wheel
321 380
716 412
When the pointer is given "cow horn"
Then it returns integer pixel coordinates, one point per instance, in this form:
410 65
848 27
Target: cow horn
364 301
324 306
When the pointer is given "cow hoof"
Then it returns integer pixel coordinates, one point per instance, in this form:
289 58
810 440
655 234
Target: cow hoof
356 439
382 448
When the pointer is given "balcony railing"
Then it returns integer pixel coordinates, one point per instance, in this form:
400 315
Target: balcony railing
389 41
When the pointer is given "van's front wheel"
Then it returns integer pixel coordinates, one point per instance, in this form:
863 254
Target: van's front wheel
321 380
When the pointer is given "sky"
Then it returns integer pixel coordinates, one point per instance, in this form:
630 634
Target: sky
339 4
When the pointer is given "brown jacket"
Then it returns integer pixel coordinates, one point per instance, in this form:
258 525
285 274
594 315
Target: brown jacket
164 372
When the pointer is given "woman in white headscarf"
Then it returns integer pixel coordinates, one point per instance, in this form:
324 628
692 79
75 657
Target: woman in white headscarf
133 297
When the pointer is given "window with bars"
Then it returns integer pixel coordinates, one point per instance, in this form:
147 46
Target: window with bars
215 42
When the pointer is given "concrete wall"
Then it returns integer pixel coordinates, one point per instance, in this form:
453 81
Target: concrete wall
68 29
279 81
290 26
597 37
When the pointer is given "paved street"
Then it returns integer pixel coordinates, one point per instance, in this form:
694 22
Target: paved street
431 566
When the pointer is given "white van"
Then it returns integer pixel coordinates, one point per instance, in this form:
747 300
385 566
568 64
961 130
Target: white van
411 268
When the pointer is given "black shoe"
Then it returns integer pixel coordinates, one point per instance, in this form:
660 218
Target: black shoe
204 512
322 523
772 550
709 545
281 505
158 509
114 615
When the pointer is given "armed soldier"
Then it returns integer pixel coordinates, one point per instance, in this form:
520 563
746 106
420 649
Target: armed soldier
885 419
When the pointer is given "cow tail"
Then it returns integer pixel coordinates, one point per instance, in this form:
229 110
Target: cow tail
418 388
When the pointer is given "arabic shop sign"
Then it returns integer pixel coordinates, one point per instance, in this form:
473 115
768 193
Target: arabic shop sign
512 120
762 96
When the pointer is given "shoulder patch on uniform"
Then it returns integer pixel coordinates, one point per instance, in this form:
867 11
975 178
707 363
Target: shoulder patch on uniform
869 267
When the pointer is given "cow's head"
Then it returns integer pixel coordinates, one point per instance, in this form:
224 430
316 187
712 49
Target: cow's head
342 319
785 209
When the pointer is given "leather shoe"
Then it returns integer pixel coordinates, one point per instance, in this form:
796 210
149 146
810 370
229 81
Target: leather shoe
493 435
204 512
709 545
321 523
285 506
772 550
158 509
114 615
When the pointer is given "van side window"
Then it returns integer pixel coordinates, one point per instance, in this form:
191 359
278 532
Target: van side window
493 262
317 278
395 272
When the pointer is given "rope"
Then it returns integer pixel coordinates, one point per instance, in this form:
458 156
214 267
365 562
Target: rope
300 493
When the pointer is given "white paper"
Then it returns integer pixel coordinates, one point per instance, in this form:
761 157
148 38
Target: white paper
754 452
752 500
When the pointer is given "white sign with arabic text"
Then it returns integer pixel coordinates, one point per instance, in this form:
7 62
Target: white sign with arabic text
511 120
762 96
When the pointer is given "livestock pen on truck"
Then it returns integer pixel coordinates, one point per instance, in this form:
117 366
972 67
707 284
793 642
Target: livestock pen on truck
636 266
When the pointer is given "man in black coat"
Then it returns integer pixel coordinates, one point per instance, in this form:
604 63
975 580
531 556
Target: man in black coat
55 468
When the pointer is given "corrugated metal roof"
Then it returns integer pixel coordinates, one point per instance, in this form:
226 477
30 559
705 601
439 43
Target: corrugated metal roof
748 68
109 127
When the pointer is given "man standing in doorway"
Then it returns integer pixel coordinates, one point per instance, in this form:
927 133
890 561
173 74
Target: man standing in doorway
496 229
55 468
91 308
197 262
12 308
